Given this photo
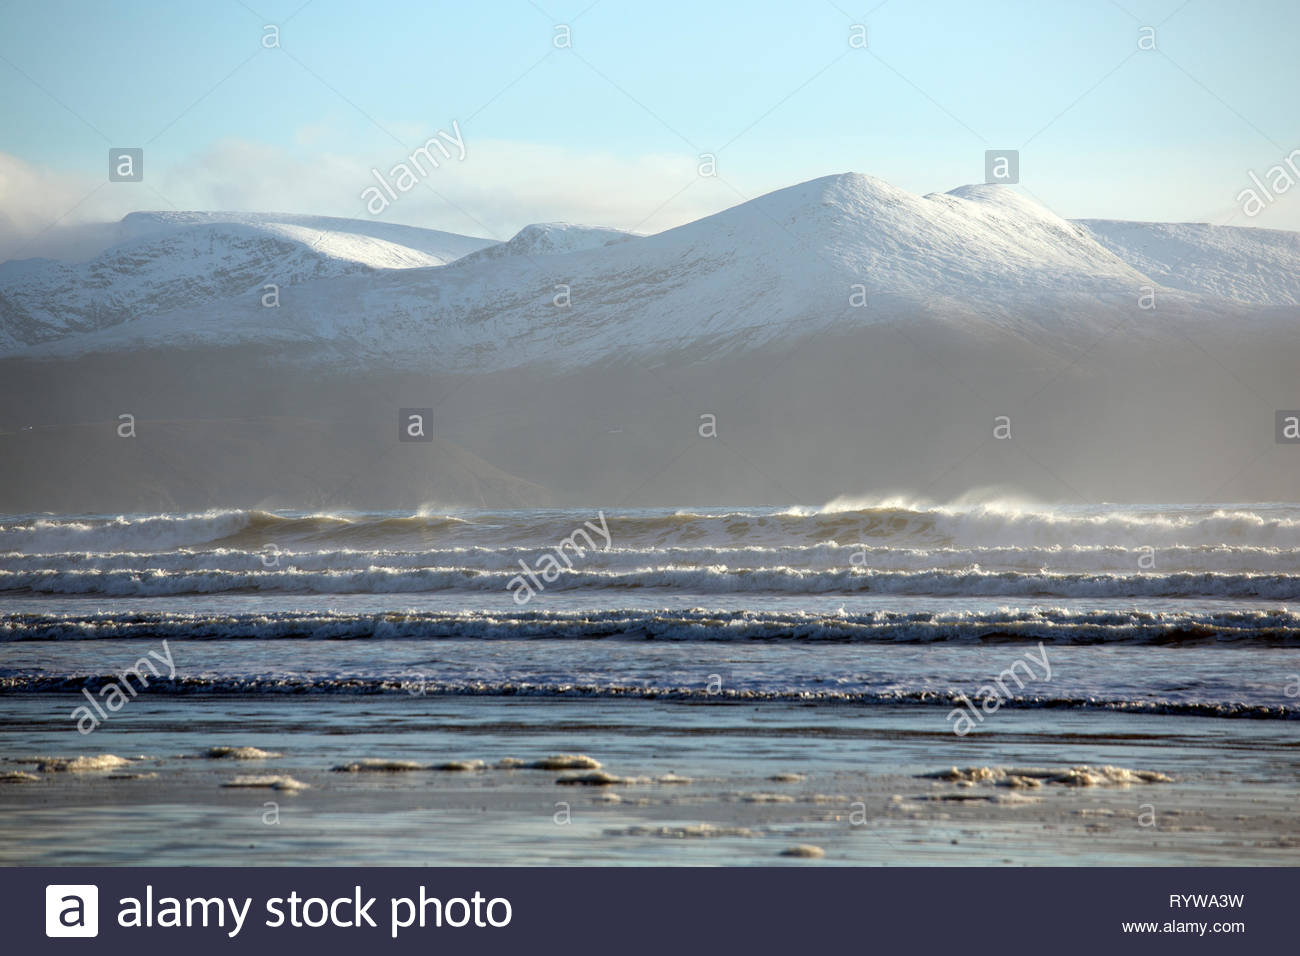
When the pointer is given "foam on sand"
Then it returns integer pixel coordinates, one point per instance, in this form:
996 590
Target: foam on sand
510 763
592 778
912 804
1108 777
18 776
1033 777
83 764
767 798
378 765
671 777
691 832
239 753
1013 798
565 762
268 781
804 851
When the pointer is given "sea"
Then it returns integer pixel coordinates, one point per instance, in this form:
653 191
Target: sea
1162 609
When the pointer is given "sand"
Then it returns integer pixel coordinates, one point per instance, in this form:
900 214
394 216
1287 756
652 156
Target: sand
878 786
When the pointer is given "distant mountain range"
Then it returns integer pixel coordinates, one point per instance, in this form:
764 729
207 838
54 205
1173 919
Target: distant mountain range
841 250
838 337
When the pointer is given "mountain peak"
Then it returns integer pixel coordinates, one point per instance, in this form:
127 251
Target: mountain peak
566 236
1004 199
552 238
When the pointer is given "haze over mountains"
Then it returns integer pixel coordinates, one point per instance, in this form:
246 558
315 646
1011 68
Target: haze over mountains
875 332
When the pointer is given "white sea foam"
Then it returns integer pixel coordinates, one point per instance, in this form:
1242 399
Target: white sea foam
565 762
239 753
805 851
460 766
84 764
378 765
592 778
697 831
673 778
1078 776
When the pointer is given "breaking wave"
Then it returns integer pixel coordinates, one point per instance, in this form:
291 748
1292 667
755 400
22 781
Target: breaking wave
264 686
893 521
1053 625
971 582
827 555
164 531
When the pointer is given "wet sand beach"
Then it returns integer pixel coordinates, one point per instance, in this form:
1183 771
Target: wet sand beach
677 783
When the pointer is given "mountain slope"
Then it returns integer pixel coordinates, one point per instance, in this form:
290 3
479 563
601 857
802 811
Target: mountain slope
379 245
1256 266
181 261
551 238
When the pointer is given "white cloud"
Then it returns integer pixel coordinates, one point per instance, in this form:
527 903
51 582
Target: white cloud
48 213
497 189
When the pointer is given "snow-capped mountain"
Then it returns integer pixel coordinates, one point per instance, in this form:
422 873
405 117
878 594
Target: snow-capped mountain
1255 266
379 245
846 249
178 261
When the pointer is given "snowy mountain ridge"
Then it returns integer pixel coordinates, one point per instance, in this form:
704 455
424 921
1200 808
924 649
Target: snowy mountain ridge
845 249
167 261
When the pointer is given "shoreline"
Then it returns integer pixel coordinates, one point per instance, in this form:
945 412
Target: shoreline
217 688
724 785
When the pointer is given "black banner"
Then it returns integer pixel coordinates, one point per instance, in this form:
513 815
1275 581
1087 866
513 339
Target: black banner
154 909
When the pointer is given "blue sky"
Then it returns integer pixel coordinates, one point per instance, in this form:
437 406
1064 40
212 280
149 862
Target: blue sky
610 130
